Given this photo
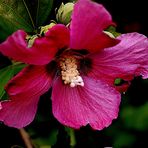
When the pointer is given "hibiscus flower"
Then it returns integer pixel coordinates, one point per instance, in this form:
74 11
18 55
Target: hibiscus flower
80 64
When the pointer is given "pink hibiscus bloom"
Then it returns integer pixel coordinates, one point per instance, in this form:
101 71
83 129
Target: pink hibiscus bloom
80 64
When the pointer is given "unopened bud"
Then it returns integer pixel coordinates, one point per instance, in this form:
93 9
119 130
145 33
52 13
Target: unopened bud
64 13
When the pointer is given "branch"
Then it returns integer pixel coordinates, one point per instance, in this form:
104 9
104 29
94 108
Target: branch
26 138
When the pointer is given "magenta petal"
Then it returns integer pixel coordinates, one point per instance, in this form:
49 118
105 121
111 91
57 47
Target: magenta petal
31 79
127 59
16 48
96 104
89 19
24 91
0 106
20 111
60 35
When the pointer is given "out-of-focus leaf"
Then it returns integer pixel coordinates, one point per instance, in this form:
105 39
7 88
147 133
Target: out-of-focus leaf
46 141
136 117
45 146
5 75
124 140
3 34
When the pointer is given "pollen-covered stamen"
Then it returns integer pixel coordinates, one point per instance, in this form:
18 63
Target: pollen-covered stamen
69 72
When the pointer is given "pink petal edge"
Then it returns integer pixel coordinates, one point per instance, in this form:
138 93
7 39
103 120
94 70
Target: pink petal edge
96 104
24 91
127 59
43 50
89 19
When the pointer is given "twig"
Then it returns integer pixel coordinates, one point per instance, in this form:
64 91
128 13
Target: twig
26 138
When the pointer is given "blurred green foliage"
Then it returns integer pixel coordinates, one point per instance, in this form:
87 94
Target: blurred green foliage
135 118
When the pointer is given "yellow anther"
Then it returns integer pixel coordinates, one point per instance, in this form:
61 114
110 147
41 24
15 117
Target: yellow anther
69 72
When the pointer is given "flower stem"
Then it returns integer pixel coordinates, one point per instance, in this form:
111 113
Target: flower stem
26 138
72 138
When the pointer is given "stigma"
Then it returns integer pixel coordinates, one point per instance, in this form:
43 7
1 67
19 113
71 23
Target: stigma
69 71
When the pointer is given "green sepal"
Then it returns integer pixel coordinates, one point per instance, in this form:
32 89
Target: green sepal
113 31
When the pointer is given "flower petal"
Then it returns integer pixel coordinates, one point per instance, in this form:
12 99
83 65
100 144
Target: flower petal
96 104
43 49
0 106
89 19
24 91
20 111
60 35
127 59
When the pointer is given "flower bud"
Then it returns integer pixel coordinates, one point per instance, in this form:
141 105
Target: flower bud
64 13
44 29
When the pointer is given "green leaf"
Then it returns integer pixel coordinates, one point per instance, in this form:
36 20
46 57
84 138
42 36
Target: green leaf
5 75
22 14
136 117
46 141
15 15
3 34
4 97
18 67
42 11
124 139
